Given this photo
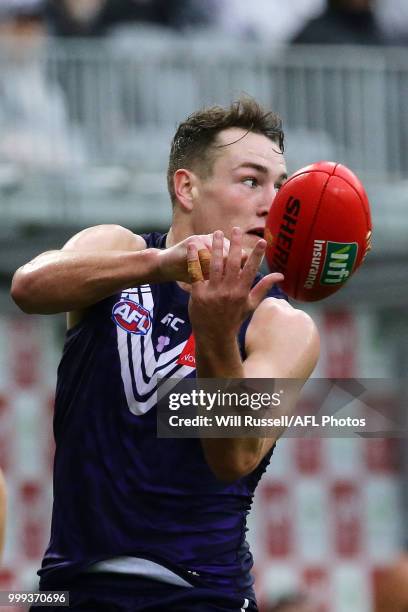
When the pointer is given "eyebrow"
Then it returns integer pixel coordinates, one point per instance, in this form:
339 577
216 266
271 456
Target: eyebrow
260 168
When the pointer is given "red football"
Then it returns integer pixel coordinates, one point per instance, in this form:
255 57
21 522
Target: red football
318 230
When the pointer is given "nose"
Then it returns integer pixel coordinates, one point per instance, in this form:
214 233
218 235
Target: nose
266 202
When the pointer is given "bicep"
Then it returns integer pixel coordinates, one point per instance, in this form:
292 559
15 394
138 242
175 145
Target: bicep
281 342
106 238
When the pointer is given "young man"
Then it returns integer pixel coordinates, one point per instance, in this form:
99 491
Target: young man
141 523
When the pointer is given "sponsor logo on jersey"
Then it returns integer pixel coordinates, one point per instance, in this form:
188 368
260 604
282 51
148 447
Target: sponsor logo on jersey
131 317
162 342
187 356
171 321
338 263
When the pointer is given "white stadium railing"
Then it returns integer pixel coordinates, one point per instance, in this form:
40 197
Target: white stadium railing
86 125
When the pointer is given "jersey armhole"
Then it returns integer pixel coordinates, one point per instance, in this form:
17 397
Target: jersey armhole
93 313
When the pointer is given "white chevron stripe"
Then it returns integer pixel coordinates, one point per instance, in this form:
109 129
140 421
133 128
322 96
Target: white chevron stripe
148 359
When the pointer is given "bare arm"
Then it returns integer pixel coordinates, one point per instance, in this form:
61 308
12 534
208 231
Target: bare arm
281 343
391 589
94 264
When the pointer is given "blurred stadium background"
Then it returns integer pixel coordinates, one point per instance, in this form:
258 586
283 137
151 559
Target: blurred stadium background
85 131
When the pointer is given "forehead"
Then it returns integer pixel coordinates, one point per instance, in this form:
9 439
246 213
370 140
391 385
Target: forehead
237 146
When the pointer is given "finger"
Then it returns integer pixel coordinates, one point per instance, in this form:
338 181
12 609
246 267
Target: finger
205 258
253 262
244 258
193 264
217 257
233 263
226 247
208 241
258 292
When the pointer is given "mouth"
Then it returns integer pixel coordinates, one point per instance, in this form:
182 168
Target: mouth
257 231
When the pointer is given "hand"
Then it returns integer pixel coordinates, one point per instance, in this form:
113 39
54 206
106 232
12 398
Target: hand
174 264
218 306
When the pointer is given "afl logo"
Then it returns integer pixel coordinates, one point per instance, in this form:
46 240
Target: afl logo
131 317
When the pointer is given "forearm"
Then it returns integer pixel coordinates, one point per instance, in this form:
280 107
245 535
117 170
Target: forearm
218 356
61 281
229 458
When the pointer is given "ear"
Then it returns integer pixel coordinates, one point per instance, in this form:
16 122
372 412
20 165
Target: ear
185 188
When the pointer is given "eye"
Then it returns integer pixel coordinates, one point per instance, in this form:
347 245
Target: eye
279 185
251 182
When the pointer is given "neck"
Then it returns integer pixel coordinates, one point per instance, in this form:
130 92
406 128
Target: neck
180 230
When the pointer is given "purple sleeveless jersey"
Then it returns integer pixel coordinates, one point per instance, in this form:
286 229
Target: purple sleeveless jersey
118 489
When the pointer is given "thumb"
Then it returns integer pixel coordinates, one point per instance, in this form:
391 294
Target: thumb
258 292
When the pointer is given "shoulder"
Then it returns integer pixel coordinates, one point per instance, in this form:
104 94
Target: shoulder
285 336
273 312
101 238
109 237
